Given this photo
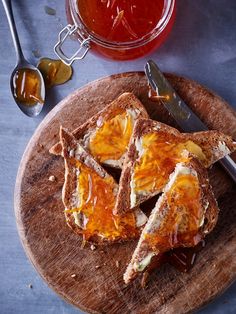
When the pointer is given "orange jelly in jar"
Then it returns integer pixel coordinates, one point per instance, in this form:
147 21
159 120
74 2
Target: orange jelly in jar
122 29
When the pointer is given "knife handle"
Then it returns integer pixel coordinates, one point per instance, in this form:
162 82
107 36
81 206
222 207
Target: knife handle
230 166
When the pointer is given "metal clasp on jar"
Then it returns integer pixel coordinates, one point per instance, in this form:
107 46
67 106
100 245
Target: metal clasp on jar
80 53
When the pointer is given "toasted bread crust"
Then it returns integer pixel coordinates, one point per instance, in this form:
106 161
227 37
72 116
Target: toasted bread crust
70 174
210 220
208 140
69 146
124 101
207 197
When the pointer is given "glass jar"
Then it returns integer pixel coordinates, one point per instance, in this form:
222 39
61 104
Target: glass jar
116 50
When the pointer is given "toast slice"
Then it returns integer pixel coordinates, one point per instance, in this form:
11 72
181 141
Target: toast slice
89 194
154 150
106 135
183 215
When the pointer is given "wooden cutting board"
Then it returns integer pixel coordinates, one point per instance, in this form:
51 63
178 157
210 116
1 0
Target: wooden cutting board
56 251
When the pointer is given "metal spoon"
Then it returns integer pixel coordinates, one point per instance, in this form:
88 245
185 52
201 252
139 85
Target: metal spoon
29 109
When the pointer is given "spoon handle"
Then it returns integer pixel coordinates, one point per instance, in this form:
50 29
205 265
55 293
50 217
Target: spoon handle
8 9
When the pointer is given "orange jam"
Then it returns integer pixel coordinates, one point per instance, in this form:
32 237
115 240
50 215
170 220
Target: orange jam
122 29
97 199
181 215
161 153
27 87
54 72
111 138
121 20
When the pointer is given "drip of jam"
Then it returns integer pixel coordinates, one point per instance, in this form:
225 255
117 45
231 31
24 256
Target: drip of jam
27 87
183 259
121 20
154 96
54 72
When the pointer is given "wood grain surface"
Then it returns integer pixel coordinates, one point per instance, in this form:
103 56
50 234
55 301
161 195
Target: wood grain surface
56 251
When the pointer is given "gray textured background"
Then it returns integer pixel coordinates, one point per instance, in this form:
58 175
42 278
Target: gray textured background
201 46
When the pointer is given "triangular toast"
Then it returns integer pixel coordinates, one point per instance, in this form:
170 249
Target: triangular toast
106 135
154 150
182 216
89 194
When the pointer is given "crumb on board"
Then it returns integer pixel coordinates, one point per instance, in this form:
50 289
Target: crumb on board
52 178
117 264
73 275
30 285
93 247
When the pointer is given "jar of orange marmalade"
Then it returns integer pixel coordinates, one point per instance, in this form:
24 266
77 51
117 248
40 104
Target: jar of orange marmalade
116 29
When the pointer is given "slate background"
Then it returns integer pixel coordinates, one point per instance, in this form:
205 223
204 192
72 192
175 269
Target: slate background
202 46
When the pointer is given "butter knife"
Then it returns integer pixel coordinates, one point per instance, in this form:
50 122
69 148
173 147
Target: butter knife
179 110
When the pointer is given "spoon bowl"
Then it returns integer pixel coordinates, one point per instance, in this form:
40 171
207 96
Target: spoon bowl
31 110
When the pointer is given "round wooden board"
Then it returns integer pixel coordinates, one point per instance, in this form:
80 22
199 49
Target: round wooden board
56 251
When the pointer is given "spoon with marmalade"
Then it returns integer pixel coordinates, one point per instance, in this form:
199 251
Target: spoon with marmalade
27 84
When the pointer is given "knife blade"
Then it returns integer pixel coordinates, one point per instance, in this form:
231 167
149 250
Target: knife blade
179 110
